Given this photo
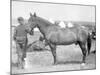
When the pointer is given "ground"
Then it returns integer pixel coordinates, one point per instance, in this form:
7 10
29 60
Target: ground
69 58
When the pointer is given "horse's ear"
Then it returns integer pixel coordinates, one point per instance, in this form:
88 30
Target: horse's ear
30 14
34 14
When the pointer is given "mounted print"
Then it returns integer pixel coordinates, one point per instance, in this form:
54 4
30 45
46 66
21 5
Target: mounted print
52 37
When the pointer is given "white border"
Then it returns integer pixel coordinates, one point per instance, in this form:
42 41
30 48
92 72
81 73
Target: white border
5 36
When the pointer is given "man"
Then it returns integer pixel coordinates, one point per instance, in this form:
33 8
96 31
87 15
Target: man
20 37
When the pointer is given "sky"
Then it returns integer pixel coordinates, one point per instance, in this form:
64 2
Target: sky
53 11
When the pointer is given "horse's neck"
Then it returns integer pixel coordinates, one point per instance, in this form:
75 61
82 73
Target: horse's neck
43 29
43 25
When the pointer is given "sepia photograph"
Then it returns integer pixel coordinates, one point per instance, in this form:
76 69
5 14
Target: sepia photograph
52 37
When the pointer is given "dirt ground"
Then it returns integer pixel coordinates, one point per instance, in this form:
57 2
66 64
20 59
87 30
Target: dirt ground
69 58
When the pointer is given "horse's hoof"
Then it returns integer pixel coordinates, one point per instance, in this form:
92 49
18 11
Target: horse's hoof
83 64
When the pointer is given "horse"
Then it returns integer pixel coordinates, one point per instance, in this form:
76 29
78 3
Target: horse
55 35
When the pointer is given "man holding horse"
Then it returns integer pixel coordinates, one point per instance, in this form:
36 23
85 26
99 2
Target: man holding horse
20 37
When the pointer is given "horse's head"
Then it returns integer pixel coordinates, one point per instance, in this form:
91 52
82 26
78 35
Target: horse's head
32 20
39 22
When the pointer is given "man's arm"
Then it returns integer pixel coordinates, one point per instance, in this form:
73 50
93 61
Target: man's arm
15 33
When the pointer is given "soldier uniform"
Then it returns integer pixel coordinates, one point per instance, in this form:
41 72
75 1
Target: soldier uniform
20 37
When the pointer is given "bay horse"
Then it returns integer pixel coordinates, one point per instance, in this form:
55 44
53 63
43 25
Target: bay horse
55 35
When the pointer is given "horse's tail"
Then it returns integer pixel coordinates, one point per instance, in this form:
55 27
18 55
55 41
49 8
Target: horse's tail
89 42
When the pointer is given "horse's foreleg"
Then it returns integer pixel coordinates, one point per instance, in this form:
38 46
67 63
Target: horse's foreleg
84 51
53 50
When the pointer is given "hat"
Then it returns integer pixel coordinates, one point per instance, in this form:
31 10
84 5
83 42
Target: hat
20 19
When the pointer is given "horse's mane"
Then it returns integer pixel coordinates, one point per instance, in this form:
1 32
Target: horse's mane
44 20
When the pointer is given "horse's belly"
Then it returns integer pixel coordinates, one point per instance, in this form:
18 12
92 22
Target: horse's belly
67 42
62 38
67 39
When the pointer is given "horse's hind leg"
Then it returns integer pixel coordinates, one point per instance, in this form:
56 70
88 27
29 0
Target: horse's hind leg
84 51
